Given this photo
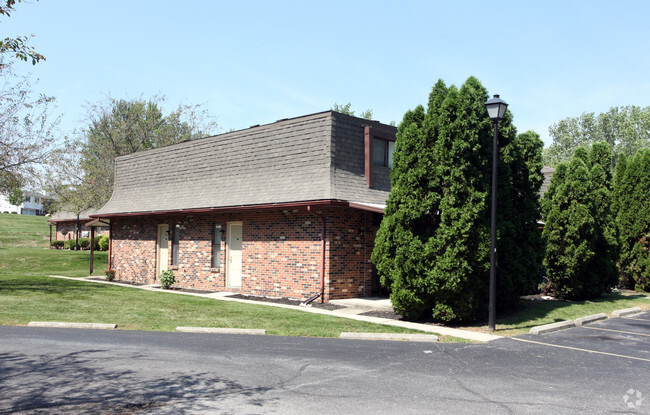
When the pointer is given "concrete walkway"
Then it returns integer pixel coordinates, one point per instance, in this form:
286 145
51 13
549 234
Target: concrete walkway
352 310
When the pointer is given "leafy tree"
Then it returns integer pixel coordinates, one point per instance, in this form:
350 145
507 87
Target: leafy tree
347 109
432 248
579 230
84 171
633 219
18 45
26 131
625 129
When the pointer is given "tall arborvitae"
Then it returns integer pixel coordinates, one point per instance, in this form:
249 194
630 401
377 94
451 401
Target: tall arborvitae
579 230
432 249
633 220
569 231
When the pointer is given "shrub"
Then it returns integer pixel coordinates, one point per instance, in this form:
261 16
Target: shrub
57 244
96 244
84 243
581 243
167 278
631 197
103 243
70 243
433 246
110 274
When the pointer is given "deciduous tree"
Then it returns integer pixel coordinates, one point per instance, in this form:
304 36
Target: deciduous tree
625 129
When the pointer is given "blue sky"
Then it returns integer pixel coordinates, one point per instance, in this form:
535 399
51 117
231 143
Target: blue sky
254 62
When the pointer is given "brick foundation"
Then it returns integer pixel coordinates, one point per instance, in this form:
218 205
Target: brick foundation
281 251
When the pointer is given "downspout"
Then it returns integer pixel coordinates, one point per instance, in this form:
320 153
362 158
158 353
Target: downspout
322 258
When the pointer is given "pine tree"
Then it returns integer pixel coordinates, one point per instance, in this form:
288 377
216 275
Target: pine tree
633 219
432 249
580 230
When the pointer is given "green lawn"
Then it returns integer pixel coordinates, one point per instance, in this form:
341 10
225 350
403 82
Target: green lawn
537 313
27 294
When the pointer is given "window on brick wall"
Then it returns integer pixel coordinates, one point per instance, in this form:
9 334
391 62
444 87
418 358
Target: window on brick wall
176 237
216 247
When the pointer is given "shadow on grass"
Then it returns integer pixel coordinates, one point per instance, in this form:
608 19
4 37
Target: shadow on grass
531 312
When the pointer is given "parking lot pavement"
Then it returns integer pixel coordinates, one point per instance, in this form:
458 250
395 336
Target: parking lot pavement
624 337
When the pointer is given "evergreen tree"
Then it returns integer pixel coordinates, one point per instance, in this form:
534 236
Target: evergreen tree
633 219
579 230
432 249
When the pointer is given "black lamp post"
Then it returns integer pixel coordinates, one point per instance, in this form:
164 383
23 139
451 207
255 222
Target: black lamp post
496 108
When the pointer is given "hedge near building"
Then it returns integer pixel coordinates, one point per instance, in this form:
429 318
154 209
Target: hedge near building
632 206
580 230
432 248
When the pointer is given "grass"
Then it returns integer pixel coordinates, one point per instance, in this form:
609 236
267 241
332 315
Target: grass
537 313
27 294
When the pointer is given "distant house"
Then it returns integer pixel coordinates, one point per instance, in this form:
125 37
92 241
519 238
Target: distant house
548 173
65 225
289 209
32 204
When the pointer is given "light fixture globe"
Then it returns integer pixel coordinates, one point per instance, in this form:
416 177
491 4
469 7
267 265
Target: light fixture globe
496 108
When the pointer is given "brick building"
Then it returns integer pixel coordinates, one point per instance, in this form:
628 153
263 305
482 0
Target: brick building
288 209
65 226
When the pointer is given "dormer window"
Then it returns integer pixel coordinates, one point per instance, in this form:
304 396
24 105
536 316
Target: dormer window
382 152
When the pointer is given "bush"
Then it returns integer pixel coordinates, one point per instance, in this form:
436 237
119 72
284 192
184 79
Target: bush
96 244
581 244
70 244
103 243
110 274
432 249
84 243
633 219
167 278
57 244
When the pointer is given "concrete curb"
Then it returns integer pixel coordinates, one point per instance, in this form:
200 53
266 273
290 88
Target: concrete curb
441 330
390 336
590 319
220 330
57 324
549 328
626 311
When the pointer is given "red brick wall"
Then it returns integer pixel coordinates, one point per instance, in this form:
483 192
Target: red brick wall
281 252
66 230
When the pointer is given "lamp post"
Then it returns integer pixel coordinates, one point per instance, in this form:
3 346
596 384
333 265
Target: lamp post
496 108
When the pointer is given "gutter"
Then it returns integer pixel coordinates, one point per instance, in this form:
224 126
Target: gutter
322 258
328 202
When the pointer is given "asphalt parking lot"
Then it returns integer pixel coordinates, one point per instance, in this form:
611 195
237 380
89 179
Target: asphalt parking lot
625 337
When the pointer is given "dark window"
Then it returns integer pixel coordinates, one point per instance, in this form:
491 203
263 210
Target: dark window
177 231
382 152
216 247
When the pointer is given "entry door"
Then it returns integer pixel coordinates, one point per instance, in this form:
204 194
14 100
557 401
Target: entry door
233 269
162 249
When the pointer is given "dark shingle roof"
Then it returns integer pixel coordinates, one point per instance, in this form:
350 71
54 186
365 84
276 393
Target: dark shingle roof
548 173
287 161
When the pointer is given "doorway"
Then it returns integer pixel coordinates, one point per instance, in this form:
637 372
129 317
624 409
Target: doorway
234 265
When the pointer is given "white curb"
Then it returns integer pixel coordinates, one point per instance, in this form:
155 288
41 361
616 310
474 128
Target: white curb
101 326
590 319
626 311
221 330
548 328
411 337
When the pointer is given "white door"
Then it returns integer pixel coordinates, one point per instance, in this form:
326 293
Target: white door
162 249
233 268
